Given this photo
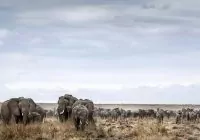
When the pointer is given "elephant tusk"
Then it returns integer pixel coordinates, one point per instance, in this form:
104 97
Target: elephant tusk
86 122
62 112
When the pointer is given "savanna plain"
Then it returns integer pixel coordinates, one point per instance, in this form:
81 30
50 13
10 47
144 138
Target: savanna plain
131 128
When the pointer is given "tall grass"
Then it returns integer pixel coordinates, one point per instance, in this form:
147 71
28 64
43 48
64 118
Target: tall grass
147 129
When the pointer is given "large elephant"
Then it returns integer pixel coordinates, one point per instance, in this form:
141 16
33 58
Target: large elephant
64 109
71 100
17 108
24 107
80 116
9 110
89 105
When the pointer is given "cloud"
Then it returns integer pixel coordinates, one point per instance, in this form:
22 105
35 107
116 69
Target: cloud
1 43
35 41
73 15
4 33
102 49
173 94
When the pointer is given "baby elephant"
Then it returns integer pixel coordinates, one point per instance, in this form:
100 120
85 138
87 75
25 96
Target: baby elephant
80 116
34 117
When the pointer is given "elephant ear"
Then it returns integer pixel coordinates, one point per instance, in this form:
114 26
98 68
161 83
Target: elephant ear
66 102
31 101
74 99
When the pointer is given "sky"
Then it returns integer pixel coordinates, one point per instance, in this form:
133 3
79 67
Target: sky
110 51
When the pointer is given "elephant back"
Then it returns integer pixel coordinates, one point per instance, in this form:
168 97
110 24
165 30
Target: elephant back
87 103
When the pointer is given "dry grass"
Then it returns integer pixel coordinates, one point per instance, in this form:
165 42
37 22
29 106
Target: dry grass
132 129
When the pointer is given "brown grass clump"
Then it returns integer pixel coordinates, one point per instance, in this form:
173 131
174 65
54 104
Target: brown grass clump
19 132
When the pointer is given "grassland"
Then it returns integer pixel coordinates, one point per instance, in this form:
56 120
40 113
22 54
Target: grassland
130 129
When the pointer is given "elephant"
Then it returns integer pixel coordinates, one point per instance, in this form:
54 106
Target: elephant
9 110
34 117
26 105
50 113
62 109
41 111
17 108
71 100
89 105
80 116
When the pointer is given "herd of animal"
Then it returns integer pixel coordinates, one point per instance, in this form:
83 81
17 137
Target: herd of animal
26 111
82 112
180 116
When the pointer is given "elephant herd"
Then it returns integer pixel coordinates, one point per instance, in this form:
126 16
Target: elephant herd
82 112
79 110
180 116
21 110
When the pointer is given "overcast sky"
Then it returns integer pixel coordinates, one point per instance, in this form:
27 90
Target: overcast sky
111 51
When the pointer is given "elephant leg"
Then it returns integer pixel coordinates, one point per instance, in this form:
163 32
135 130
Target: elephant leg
17 119
82 126
76 123
67 116
6 121
60 118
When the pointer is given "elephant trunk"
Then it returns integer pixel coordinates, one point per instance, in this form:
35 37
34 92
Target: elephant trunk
25 117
